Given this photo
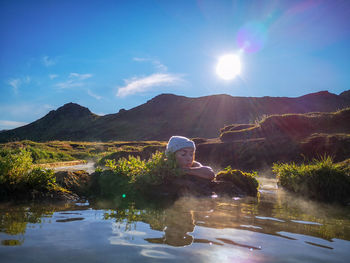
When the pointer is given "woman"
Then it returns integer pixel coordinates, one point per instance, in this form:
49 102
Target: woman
184 150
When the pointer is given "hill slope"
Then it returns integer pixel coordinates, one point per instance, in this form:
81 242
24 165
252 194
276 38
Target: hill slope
280 138
169 114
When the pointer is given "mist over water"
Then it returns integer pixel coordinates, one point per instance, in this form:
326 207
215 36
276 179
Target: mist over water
275 227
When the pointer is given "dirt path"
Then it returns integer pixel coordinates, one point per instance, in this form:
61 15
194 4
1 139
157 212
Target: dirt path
70 166
88 167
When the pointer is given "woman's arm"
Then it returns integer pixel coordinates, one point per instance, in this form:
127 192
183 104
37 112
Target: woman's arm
200 171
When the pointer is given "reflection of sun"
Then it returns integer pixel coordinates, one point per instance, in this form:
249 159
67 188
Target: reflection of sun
228 67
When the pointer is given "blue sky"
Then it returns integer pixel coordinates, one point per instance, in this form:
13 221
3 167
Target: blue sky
109 55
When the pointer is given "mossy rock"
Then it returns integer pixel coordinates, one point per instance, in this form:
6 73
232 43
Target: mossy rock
236 182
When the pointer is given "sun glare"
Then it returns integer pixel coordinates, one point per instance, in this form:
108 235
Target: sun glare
228 67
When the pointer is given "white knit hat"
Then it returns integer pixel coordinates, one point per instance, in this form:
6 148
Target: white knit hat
176 143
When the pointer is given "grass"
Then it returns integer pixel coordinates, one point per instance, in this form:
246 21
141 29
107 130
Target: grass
321 179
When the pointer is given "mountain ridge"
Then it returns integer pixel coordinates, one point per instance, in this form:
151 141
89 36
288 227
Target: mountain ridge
169 114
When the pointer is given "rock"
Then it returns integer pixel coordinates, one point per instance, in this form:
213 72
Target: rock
74 181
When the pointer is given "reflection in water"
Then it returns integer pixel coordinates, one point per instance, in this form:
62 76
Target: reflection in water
318 245
271 214
12 242
70 219
263 229
14 219
177 224
155 254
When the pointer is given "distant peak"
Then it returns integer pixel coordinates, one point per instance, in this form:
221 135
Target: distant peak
73 109
71 104
323 93
165 97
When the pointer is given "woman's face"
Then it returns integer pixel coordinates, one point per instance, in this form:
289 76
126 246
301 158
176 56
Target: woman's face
185 157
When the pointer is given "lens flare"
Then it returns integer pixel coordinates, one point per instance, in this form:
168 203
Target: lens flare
252 37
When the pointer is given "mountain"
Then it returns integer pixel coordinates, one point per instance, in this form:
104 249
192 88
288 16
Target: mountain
167 115
68 121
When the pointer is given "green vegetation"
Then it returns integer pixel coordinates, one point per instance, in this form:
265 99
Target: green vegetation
244 182
322 179
143 151
17 179
134 169
58 151
129 177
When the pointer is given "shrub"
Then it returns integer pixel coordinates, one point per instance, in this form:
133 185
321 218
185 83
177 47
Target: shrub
13 165
42 180
133 176
18 179
321 179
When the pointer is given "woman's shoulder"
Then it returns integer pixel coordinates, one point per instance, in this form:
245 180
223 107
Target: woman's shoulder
196 164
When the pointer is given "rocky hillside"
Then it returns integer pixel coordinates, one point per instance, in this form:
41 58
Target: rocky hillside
280 138
167 115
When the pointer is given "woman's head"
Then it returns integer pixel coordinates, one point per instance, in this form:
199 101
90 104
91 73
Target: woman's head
183 149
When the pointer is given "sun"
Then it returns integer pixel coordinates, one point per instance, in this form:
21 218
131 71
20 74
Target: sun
228 67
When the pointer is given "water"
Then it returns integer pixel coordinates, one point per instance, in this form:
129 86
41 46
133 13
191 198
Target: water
277 227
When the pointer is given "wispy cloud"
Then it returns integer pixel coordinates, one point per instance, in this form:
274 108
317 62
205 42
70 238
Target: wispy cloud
17 82
11 124
90 93
140 59
69 84
14 83
27 79
80 76
74 80
53 76
159 66
137 85
156 63
48 61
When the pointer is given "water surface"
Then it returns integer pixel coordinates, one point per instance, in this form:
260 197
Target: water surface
276 227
